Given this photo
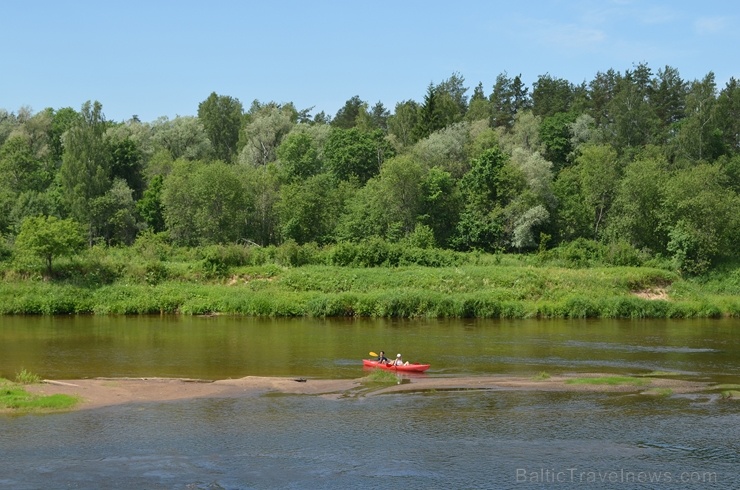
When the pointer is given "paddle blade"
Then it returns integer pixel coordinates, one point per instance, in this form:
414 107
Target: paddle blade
373 354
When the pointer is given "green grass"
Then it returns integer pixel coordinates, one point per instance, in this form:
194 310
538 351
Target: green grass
608 380
13 398
541 376
27 378
210 280
380 376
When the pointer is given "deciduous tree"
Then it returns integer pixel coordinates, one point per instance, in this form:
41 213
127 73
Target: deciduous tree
204 203
221 117
352 153
48 237
86 166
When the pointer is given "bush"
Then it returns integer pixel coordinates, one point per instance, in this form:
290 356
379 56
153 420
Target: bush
216 260
621 253
294 255
581 253
152 246
155 272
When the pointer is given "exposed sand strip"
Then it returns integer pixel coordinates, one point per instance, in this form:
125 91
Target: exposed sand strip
101 392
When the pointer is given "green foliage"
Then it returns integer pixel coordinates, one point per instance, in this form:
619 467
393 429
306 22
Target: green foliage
15 398
598 170
382 377
48 237
645 164
181 138
638 204
402 124
150 207
376 252
264 132
490 185
299 155
421 237
441 203
573 218
6 252
114 214
26 377
508 98
310 210
19 168
127 164
446 149
448 287
354 153
556 135
86 168
347 116
690 255
204 203
221 117
700 214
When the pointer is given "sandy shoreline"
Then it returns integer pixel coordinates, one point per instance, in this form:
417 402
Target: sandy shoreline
102 392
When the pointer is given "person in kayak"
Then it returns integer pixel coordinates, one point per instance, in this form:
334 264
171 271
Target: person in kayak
399 361
381 357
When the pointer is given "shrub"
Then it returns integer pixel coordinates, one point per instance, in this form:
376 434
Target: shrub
152 246
621 253
581 253
155 272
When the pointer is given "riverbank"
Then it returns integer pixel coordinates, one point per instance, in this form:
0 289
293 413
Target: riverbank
102 392
508 290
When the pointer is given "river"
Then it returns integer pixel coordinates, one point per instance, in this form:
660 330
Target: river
457 439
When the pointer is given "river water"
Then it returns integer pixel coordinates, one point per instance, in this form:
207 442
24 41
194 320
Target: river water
458 439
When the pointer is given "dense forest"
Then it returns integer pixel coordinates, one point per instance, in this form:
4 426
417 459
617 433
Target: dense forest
643 161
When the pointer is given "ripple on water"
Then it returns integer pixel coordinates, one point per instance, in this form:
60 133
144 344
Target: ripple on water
638 348
434 440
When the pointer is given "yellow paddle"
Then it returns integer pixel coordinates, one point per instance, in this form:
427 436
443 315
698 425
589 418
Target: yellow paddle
373 354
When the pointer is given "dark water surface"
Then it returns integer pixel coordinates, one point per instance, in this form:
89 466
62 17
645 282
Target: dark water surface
464 439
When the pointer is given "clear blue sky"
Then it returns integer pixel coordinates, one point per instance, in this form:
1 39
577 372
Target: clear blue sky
158 58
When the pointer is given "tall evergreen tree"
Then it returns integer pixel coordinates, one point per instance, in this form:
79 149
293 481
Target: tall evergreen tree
429 117
346 116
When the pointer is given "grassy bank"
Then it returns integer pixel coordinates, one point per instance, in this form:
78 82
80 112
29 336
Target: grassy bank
15 399
507 289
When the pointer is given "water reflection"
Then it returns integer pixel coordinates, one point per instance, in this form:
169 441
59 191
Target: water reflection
496 439
223 347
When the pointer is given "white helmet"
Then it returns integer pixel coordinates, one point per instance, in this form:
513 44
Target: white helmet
398 355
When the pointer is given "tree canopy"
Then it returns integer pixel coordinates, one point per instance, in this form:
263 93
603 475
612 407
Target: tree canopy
639 156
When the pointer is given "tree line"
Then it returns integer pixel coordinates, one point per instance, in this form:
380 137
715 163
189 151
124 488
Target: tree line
640 158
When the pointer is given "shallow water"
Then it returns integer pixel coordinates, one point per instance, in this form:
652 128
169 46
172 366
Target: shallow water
498 439
460 439
223 347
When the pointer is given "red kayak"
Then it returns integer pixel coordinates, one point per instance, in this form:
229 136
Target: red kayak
409 368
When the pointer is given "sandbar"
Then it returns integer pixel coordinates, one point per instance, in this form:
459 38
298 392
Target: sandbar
102 392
